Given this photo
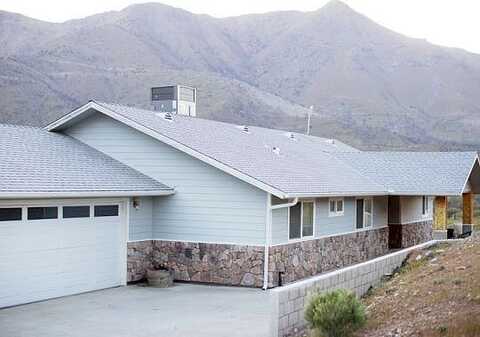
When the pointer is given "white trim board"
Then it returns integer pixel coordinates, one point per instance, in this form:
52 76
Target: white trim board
83 194
194 242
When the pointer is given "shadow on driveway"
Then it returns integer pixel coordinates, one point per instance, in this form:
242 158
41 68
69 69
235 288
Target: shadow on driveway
184 310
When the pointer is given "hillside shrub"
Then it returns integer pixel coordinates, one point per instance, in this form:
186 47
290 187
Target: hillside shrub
335 314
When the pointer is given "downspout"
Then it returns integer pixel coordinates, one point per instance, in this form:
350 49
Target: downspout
268 233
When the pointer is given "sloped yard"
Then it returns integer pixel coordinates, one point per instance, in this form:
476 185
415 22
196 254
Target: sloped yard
437 294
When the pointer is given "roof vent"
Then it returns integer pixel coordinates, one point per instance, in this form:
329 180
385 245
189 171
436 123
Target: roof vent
276 150
245 128
291 135
168 116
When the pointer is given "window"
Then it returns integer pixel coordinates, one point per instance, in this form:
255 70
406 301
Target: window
364 213
76 212
38 213
106 210
367 212
425 205
307 218
301 220
295 221
10 214
335 207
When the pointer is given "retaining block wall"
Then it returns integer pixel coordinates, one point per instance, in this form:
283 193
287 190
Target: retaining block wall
289 301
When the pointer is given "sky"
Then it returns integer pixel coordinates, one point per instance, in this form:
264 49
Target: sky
452 23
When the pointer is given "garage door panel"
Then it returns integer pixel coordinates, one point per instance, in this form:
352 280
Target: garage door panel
41 259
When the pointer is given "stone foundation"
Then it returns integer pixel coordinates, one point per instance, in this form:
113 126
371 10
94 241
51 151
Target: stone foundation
308 258
240 265
408 235
416 233
211 263
236 265
139 259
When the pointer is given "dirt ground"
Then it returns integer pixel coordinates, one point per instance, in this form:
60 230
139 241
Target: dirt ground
436 294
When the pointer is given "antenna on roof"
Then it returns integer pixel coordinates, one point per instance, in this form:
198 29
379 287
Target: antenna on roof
309 116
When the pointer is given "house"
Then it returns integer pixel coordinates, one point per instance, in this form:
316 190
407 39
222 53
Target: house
107 191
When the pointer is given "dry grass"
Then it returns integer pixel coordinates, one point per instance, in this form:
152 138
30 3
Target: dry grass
435 296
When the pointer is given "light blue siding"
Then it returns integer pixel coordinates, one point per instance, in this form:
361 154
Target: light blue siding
329 225
140 220
279 225
380 211
208 206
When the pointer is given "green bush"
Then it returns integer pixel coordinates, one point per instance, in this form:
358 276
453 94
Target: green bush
335 314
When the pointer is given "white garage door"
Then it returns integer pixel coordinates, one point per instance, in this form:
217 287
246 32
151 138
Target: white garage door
54 249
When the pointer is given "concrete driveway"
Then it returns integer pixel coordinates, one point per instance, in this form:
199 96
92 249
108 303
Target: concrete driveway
184 310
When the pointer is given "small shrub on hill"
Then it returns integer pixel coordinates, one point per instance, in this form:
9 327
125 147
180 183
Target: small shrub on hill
335 314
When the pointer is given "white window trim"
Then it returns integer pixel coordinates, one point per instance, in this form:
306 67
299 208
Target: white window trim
302 237
426 214
363 214
336 213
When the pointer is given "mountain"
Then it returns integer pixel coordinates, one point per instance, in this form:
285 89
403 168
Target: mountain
369 86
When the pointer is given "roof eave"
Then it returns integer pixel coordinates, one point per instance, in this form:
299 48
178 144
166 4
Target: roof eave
335 194
426 193
475 160
372 194
84 194
57 124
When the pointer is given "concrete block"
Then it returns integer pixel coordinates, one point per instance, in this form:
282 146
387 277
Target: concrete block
290 307
283 323
293 293
292 319
302 291
282 309
298 304
283 296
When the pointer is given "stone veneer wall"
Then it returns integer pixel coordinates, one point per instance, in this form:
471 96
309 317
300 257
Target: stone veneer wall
416 233
289 302
198 262
308 258
139 259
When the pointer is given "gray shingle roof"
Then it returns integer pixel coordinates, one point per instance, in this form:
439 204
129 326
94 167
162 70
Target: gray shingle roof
429 173
303 166
33 160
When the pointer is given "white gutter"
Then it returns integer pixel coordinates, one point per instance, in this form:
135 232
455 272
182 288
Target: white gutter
268 234
82 194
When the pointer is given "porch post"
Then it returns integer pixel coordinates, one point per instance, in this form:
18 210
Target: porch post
468 205
440 218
